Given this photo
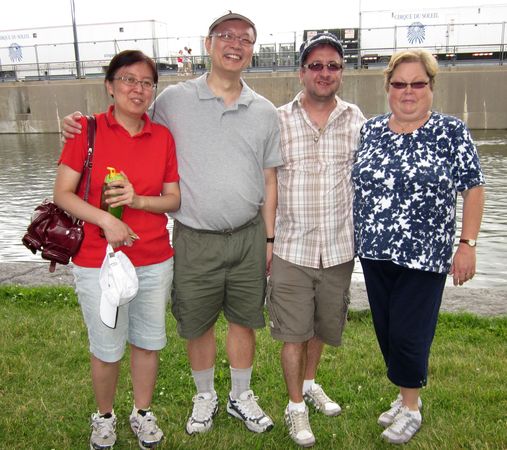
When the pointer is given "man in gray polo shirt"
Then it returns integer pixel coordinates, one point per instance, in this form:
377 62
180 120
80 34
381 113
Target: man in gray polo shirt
227 144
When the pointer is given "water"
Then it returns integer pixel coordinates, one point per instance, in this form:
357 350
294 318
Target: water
28 166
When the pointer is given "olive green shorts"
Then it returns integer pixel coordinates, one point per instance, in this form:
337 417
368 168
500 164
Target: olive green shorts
304 302
218 271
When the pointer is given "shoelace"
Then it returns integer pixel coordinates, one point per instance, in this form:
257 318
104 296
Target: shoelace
299 422
321 396
202 408
148 424
395 408
103 426
250 407
402 421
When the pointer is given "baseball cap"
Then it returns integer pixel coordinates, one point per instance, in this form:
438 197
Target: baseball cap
231 16
319 39
119 284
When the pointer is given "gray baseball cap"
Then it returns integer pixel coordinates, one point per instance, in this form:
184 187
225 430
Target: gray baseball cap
231 16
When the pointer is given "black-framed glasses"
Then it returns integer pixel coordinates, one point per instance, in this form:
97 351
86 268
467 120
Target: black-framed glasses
229 37
131 81
414 85
319 67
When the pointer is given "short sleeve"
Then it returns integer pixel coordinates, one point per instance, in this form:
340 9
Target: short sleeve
467 170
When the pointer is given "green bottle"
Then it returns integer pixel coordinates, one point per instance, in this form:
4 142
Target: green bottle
111 176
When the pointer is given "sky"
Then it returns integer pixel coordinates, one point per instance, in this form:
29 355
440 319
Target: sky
186 18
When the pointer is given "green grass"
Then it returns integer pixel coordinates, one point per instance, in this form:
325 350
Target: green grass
46 397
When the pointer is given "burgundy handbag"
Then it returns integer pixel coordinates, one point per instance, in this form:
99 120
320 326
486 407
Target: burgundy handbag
53 231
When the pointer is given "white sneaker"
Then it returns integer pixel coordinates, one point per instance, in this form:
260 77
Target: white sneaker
387 417
205 408
317 397
299 427
103 431
405 425
246 408
145 428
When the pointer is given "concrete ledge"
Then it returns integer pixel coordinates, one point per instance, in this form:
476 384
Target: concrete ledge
475 94
483 302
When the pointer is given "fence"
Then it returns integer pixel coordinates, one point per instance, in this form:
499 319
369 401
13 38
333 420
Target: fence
450 43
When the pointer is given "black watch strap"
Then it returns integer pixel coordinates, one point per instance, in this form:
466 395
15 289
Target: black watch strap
270 240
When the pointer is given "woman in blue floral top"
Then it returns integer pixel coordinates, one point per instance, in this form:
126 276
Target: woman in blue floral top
410 166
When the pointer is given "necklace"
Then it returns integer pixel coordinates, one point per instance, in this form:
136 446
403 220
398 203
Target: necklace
407 127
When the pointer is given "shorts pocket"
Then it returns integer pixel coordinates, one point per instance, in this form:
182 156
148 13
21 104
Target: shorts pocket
345 306
274 323
174 305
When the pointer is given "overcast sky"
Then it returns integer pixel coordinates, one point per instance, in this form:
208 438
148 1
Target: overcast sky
192 18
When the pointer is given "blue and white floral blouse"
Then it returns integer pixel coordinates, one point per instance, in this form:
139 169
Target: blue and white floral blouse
405 189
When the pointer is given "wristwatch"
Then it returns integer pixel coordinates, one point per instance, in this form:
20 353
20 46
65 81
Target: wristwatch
469 242
270 240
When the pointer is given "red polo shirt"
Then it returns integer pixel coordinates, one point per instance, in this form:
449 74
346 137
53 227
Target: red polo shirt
149 160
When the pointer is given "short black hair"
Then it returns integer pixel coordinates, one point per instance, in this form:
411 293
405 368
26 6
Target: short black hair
127 58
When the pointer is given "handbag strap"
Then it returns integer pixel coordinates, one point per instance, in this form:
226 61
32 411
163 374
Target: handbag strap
92 127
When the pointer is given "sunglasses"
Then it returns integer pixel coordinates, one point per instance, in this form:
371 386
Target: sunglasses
415 85
319 67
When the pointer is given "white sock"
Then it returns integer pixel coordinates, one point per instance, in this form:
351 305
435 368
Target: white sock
240 381
204 380
301 407
307 385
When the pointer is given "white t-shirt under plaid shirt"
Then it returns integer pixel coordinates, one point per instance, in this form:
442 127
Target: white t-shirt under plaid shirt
314 213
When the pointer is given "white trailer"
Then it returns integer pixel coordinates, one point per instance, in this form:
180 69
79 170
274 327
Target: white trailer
32 52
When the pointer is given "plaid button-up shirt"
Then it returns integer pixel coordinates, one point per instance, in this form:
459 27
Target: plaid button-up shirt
314 213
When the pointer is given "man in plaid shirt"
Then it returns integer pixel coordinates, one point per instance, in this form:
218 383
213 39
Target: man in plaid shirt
308 292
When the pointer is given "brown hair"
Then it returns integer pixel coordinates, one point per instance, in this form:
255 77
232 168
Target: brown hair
127 58
423 56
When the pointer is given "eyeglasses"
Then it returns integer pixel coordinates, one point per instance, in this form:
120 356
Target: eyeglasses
131 81
414 85
229 37
319 67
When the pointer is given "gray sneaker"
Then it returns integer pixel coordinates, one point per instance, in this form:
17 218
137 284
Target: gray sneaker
317 397
387 417
205 408
403 428
144 425
299 427
103 431
246 408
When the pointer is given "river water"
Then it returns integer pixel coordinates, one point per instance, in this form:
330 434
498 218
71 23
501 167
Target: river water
27 171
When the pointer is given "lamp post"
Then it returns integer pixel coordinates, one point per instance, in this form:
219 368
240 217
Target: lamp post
76 46
359 63
295 50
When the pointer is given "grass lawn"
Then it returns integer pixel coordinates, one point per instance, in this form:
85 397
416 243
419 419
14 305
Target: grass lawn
46 397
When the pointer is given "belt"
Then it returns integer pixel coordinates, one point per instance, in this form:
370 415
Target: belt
223 232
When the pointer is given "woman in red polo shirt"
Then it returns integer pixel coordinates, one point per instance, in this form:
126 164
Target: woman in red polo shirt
144 153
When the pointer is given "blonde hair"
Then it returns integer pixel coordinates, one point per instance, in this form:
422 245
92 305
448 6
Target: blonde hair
423 56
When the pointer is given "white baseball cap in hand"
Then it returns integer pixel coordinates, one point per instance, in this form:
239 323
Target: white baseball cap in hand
119 284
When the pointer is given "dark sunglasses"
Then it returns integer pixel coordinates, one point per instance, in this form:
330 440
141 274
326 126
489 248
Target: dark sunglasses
415 85
319 67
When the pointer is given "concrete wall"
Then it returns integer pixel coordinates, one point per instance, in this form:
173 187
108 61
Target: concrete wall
476 94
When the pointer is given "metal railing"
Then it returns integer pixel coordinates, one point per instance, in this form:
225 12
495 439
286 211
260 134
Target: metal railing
46 64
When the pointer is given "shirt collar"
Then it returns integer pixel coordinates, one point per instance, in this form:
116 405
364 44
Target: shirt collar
112 122
245 98
340 107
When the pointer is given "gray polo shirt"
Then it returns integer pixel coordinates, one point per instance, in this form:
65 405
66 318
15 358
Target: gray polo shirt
221 150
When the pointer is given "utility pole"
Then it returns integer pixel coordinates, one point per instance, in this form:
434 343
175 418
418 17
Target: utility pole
76 45
359 62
